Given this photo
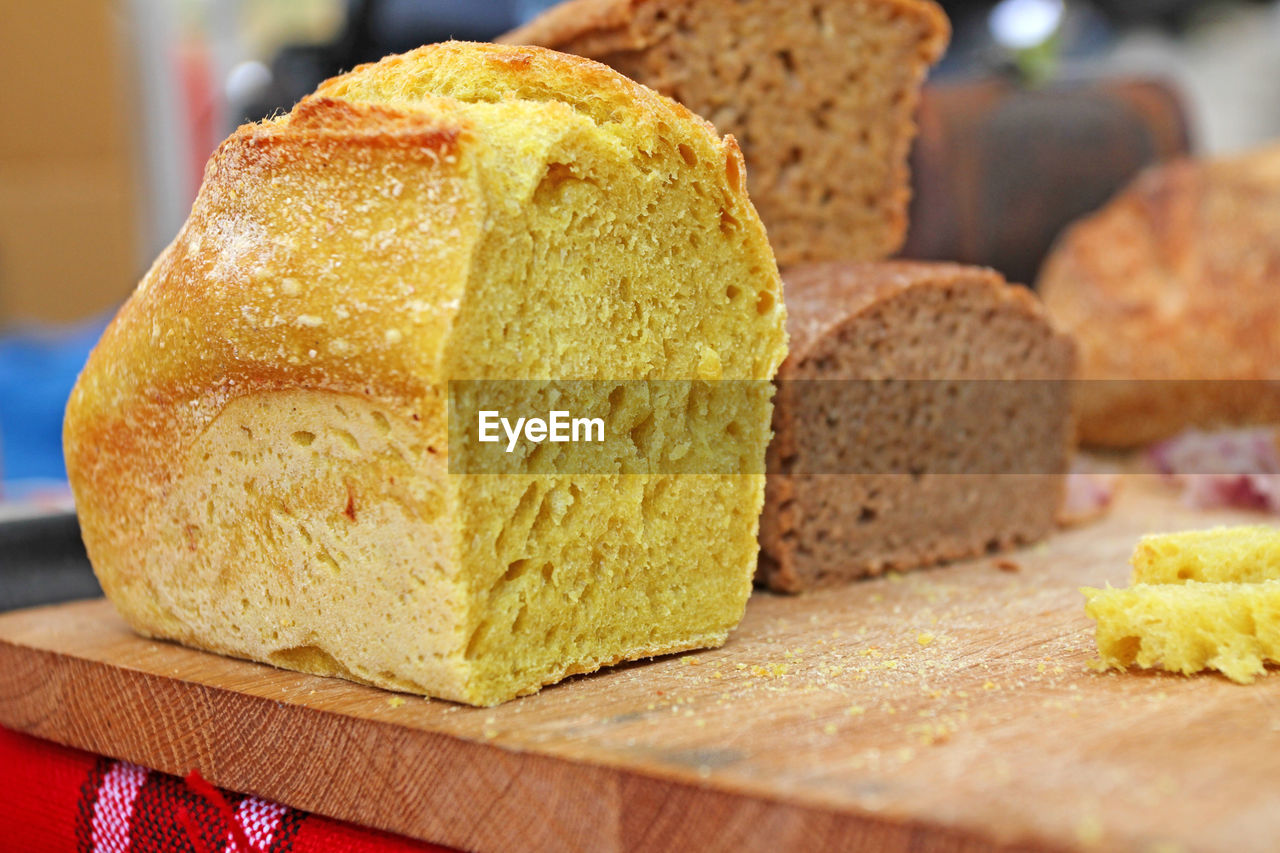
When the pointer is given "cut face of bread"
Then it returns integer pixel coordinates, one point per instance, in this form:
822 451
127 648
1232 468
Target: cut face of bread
1201 599
259 446
820 95
922 416
1231 627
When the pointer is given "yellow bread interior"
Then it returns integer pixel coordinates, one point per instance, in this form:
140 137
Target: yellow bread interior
1223 554
1230 627
1201 599
259 446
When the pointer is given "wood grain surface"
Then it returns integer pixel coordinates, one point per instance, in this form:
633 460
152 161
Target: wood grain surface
943 710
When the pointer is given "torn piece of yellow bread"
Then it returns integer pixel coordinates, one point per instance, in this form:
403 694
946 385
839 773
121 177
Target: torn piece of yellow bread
1201 599
260 447
1223 554
1187 627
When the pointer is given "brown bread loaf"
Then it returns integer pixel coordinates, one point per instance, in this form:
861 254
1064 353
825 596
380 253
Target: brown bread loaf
1172 286
893 448
820 95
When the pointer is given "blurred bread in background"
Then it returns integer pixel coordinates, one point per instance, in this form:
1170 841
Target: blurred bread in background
820 96
1170 290
999 168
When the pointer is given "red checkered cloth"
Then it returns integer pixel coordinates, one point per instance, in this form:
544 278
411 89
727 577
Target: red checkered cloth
55 798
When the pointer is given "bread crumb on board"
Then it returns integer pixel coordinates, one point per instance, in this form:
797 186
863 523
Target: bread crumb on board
1089 830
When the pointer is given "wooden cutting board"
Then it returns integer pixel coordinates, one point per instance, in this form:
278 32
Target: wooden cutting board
943 710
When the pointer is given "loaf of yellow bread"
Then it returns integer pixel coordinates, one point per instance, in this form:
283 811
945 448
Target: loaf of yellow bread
1187 627
259 445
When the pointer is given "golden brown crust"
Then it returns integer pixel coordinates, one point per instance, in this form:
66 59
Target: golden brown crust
218 316
520 71
248 299
1174 280
262 290
217 309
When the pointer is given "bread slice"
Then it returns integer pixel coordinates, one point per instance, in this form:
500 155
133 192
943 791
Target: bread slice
1170 289
921 417
821 95
1244 554
1231 627
259 445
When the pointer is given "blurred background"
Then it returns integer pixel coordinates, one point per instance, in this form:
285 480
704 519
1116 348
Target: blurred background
113 106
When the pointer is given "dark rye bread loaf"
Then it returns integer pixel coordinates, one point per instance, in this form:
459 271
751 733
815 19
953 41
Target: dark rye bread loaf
820 94
893 448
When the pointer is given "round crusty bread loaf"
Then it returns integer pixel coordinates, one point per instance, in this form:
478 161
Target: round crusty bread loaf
1170 291
259 444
